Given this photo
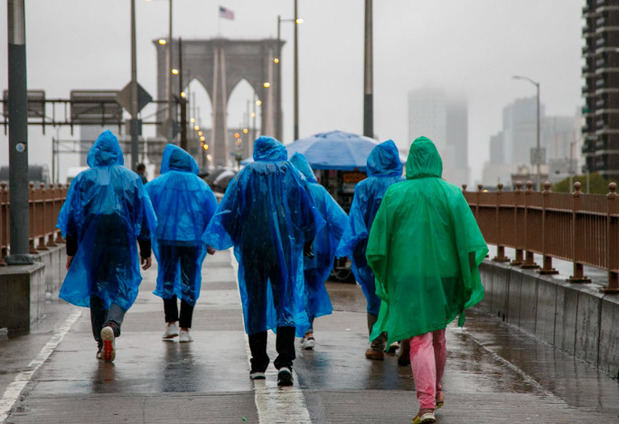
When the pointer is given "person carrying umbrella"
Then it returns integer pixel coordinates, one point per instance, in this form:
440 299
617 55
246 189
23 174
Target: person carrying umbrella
105 211
384 168
184 205
425 249
268 216
316 269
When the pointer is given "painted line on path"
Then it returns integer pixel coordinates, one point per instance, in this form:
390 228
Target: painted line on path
275 405
14 390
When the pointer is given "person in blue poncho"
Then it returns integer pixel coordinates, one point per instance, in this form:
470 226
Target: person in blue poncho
384 168
184 205
318 267
268 216
105 211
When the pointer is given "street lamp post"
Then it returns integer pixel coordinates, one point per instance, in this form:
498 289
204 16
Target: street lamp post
296 21
537 142
368 81
18 134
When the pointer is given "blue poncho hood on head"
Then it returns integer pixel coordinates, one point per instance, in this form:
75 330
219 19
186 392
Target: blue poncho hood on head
184 205
176 159
106 151
106 210
268 149
318 268
267 214
384 161
299 162
384 169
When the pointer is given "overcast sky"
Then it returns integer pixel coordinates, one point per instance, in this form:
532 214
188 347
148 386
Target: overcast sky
467 47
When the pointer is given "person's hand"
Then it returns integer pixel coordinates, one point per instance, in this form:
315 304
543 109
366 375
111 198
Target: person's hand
307 250
210 250
146 263
69 260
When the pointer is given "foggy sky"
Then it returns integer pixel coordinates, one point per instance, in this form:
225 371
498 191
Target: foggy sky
466 47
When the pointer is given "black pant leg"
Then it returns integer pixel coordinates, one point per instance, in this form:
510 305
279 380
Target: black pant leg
188 257
170 308
186 315
284 344
98 316
258 348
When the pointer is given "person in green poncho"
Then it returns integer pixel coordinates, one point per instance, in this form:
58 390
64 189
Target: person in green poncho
425 249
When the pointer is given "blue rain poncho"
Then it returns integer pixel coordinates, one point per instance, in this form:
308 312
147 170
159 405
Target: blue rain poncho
268 216
384 168
318 268
106 209
184 205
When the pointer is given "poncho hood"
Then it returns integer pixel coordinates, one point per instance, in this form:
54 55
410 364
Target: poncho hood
106 151
423 160
299 162
384 161
268 149
176 159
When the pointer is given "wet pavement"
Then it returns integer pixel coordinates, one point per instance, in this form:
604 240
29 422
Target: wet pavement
495 373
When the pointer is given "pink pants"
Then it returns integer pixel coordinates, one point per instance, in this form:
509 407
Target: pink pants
428 356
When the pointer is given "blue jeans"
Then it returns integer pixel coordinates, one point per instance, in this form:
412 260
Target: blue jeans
101 317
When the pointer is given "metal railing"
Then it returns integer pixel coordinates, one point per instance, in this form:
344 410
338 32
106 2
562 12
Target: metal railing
580 228
44 207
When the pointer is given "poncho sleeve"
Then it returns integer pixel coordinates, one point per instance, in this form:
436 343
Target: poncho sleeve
209 207
469 241
225 225
377 253
67 222
356 229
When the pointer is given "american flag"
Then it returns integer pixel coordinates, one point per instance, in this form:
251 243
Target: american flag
226 13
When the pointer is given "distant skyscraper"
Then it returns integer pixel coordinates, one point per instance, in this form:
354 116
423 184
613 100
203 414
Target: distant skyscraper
601 90
433 114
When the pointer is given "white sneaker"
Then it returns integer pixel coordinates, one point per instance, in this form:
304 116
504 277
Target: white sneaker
171 331
108 353
185 337
308 342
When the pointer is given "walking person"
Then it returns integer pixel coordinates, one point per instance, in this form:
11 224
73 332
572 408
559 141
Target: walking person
425 249
384 168
316 269
184 205
105 211
268 216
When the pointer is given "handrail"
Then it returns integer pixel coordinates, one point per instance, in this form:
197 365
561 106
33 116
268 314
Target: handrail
44 206
580 228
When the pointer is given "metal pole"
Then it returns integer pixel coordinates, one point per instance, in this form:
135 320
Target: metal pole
539 172
133 125
18 135
296 71
169 73
278 69
182 100
368 83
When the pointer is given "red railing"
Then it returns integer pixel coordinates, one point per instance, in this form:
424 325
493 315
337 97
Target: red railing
44 207
580 228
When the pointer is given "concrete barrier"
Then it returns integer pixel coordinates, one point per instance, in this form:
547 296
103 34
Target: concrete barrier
25 289
576 318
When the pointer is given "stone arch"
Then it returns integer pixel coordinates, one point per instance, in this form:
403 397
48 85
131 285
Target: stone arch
219 64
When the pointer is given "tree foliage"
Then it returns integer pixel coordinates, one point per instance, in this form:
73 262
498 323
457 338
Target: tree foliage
597 183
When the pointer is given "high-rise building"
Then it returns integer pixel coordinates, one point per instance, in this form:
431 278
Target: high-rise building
601 89
444 120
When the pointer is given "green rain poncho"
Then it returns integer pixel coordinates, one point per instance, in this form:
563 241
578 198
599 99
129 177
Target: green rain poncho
425 249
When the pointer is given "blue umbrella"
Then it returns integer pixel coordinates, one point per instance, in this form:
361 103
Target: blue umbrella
337 150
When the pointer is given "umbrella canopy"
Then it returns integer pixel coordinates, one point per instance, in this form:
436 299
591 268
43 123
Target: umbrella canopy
336 150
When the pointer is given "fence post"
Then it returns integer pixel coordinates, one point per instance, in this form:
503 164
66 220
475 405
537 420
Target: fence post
51 213
4 222
547 259
579 275
529 261
500 248
479 190
42 224
517 198
31 215
611 242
